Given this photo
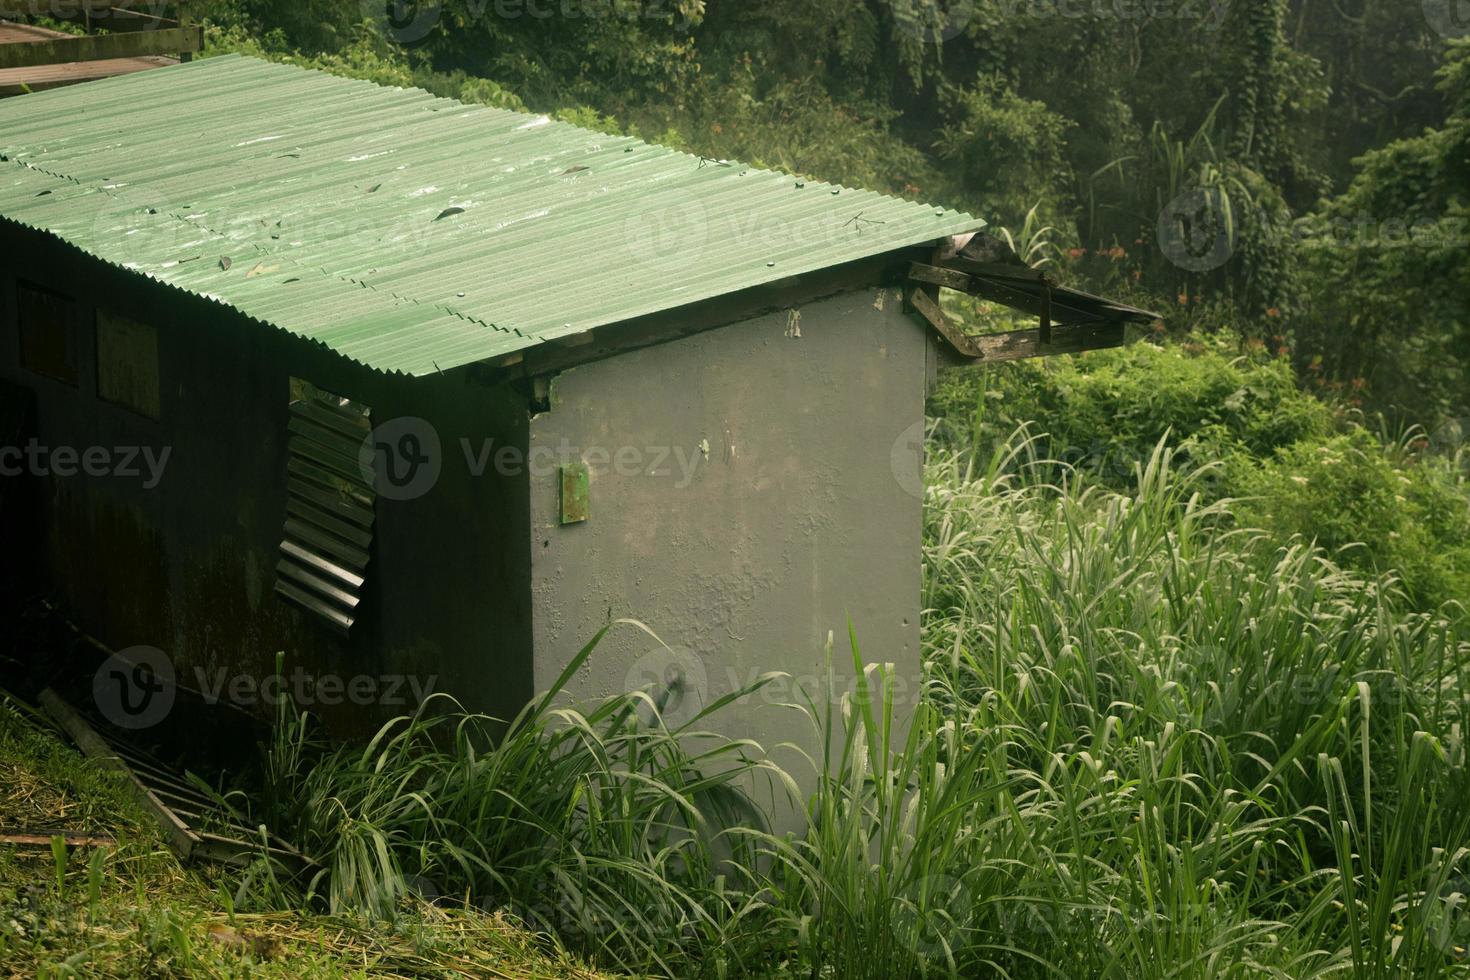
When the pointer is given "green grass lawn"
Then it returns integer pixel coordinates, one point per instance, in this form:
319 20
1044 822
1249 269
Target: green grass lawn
134 911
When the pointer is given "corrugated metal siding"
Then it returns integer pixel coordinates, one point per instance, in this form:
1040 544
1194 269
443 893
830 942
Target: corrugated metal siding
329 507
407 232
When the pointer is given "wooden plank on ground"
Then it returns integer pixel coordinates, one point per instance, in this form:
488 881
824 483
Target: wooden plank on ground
43 838
92 745
188 841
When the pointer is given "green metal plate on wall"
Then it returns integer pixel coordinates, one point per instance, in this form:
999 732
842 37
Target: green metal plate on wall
574 493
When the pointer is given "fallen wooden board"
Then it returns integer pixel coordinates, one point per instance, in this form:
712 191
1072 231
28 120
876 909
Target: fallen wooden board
45 839
19 81
181 838
188 841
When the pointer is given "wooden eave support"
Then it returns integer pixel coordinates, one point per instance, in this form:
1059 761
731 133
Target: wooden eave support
1070 321
1016 345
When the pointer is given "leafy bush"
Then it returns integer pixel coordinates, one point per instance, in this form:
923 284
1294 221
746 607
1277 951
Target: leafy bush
1390 267
1104 412
1007 150
1405 515
366 58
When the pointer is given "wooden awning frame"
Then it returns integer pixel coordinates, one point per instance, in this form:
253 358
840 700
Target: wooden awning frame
1071 321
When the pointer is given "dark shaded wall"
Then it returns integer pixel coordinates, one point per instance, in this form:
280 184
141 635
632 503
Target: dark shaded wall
188 566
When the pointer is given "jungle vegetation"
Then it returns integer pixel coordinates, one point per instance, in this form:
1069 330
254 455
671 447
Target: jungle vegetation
1196 634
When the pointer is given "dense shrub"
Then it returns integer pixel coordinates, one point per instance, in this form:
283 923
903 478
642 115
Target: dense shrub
1349 494
1104 412
366 58
1389 266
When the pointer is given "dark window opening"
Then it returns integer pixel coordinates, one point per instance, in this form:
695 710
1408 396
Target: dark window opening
47 333
127 364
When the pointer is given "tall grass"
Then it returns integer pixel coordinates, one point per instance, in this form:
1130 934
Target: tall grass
1237 752
1150 744
605 826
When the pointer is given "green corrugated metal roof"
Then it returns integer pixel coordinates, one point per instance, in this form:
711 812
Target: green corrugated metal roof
407 232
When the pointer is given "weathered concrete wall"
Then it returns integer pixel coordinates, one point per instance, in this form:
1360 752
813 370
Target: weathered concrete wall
188 565
752 488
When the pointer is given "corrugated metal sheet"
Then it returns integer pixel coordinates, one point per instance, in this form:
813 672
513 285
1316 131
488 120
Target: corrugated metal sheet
407 232
329 506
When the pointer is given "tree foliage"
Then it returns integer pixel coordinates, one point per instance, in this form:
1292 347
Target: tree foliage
1208 153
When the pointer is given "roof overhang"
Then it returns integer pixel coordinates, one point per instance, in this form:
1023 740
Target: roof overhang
1071 321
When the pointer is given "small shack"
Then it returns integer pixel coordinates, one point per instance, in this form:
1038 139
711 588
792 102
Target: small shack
426 393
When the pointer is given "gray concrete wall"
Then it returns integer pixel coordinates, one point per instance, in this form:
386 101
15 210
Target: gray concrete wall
768 489
188 566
